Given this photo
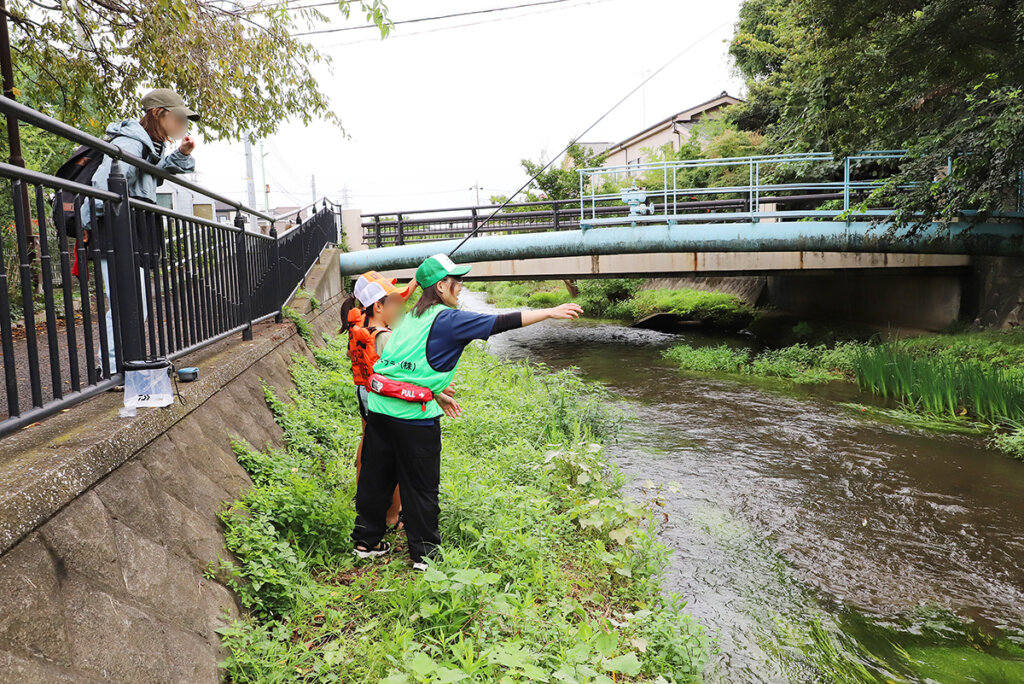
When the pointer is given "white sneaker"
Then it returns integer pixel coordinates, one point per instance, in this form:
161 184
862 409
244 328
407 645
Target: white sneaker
419 567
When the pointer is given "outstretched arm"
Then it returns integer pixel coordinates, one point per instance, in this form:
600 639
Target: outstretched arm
563 312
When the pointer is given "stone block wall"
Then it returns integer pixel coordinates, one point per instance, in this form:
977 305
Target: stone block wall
111 587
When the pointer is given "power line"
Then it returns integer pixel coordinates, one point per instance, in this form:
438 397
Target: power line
282 160
589 128
393 36
415 194
433 18
284 191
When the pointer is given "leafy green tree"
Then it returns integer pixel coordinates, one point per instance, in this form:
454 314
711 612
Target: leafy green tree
561 181
244 67
941 78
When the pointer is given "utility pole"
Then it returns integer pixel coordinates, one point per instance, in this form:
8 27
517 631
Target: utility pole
312 185
643 93
249 181
266 188
344 197
477 188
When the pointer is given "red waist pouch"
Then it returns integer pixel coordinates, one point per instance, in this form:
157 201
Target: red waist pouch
406 391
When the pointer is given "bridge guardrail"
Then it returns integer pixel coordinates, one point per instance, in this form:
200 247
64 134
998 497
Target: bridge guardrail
775 187
177 282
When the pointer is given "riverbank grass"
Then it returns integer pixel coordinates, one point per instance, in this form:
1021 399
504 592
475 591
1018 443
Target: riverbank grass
712 309
799 363
967 382
547 573
509 294
622 299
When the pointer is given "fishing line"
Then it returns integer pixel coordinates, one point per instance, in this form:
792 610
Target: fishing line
588 129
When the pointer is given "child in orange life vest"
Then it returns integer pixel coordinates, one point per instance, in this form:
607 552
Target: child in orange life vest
367 316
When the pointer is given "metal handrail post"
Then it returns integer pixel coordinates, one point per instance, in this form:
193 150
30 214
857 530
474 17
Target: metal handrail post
242 265
757 187
581 198
846 184
128 335
275 254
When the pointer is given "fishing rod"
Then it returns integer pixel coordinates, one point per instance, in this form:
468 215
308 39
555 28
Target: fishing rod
578 137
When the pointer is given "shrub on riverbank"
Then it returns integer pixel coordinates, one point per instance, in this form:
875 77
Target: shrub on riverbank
508 294
622 299
608 297
720 359
799 363
713 309
547 574
995 348
1012 442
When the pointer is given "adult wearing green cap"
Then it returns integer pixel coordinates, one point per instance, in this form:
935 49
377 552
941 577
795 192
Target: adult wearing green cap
402 444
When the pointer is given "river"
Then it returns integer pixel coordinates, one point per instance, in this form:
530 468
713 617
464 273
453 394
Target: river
815 543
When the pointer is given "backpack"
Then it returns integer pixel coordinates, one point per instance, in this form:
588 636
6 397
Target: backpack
80 168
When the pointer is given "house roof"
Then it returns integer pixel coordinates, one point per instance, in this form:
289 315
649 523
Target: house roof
685 116
597 147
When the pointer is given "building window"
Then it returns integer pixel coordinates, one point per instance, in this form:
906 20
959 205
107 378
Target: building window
165 200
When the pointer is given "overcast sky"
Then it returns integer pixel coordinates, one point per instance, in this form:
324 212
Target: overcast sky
433 110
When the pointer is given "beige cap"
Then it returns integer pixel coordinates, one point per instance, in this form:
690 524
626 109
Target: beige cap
168 99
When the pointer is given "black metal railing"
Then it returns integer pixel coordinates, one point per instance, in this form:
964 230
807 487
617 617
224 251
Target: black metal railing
399 228
150 282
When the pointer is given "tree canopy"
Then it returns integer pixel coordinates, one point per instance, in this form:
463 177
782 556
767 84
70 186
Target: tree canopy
941 78
241 66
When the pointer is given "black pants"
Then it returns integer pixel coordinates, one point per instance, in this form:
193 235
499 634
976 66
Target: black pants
395 452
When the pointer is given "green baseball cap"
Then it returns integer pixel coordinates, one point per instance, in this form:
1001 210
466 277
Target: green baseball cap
437 268
165 98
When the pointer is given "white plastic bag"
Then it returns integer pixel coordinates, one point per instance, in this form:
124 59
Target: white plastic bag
147 387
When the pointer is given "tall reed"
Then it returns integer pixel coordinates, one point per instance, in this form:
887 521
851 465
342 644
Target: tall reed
940 385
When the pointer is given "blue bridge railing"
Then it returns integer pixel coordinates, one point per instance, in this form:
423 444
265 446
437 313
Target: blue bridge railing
814 184
767 188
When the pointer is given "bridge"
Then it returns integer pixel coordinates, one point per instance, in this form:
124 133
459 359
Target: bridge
761 214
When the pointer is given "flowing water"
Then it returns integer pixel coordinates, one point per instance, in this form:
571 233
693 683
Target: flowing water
815 543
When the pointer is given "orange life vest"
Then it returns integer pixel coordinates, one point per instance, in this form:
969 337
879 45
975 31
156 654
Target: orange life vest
362 347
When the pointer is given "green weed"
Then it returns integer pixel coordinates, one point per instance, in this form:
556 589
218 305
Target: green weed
714 309
799 363
547 573
1011 441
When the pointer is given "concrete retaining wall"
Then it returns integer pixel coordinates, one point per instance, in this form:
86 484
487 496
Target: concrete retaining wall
996 294
109 585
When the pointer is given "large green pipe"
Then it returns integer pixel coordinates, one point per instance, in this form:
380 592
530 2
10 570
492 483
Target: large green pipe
992 239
